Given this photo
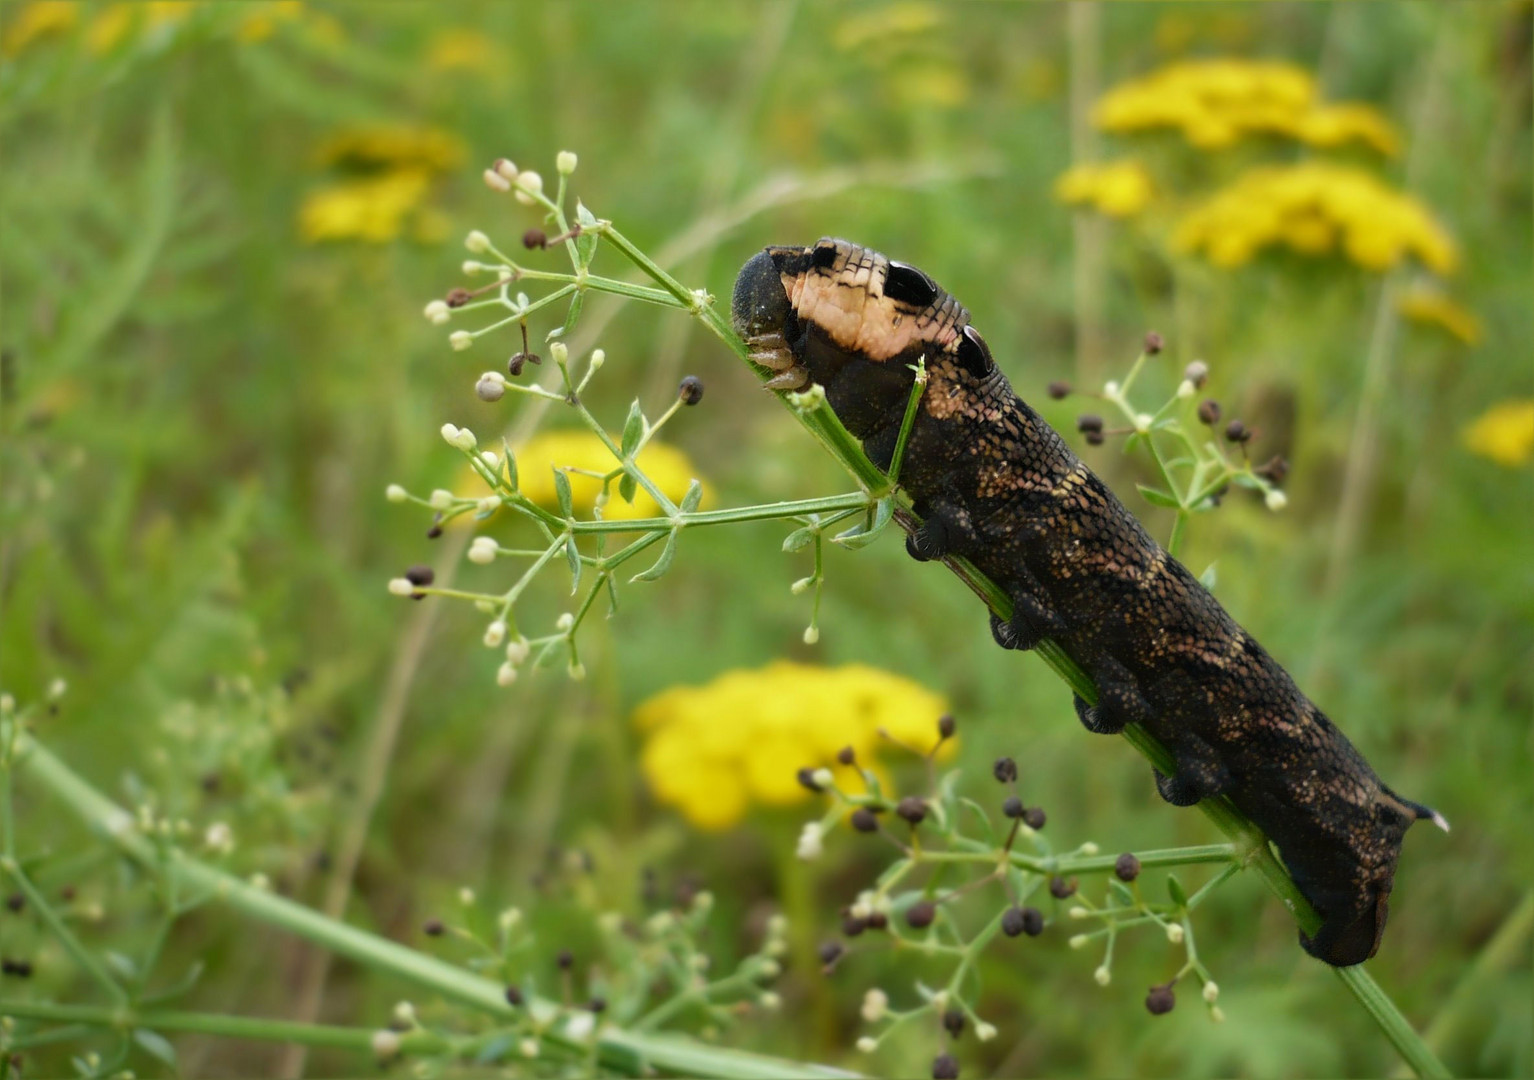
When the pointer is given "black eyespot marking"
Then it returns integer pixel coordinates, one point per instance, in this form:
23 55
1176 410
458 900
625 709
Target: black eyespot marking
974 354
909 285
823 257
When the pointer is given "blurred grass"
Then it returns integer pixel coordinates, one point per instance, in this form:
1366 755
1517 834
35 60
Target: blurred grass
201 410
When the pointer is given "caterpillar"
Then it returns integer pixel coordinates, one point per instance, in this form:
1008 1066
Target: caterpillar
994 483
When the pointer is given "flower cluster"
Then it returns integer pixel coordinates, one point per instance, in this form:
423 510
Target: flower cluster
1313 208
1115 188
1504 433
114 25
712 749
390 172
1214 103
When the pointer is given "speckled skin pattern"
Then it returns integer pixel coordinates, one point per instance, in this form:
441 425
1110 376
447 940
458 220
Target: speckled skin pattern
994 483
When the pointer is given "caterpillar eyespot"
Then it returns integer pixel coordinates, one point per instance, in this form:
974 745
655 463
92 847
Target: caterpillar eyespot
993 482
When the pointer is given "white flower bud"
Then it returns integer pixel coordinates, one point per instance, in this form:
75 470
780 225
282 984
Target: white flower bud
483 550
801 585
770 1001
576 671
1174 933
565 162
1196 373
404 1012
437 312
868 1044
529 184
488 505
1078 940
1275 499
823 778
1089 848
1143 422
985 1032
528 1047
495 633
875 1004
1111 388
580 1026
1217 1014
441 499
449 433
1211 991
395 493
1102 975
401 586
809 846
506 168
517 650
770 968
219 839
464 440
495 181
477 242
485 607
491 459
1079 912
560 352
460 340
466 896
565 623
811 634
385 1044
597 359
1186 389
508 919
472 266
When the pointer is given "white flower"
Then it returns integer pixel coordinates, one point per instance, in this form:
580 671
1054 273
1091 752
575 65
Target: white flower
1078 912
1275 499
460 339
472 267
581 1025
491 386
441 499
1089 848
1143 422
466 896
1110 389
508 919
477 242
385 1043
1211 991
495 633
799 586
56 689
560 352
1186 389
528 1047
491 459
565 162
1102 975
769 1001
1174 933
517 650
495 181
395 493
449 433
464 440
529 184
875 1004
483 550
823 778
565 623
401 586
811 634
506 168
576 671
598 358
1078 940
404 1012
220 839
868 1044
488 505
809 846
437 312
985 1032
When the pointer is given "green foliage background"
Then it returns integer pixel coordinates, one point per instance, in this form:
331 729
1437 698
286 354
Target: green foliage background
201 411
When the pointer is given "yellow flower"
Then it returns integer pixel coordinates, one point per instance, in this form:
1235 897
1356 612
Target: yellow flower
36 21
907 20
1432 308
460 49
1217 102
670 469
374 209
1504 433
1116 188
393 147
712 750
1310 208
260 21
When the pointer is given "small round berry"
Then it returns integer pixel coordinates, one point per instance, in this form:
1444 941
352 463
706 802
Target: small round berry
831 952
420 575
597 1004
912 809
946 726
945 1067
846 756
1088 423
1034 817
1005 770
1209 411
877 920
1033 921
16 901
513 997
864 820
535 239
1127 867
1160 1000
1154 343
1095 438
433 928
919 915
690 390
1013 807
1012 921
806 778
852 926
953 1022
1059 390
1060 888
1237 432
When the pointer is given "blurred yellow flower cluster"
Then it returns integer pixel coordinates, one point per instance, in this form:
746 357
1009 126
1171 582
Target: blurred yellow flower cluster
1313 208
456 48
537 459
1216 102
1116 188
1504 433
904 43
113 24
398 164
712 750
1431 307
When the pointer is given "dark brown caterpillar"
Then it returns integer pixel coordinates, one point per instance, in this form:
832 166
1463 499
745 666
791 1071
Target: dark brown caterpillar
994 483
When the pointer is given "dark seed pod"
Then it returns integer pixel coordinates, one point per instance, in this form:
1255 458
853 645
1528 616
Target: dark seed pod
877 920
1095 438
433 928
1088 423
1127 867
1033 921
1209 411
1005 770
420 575
535 239
565 959
945 1067
1059 390
1275 469
1060 888
1160 1000
16 901
919 915
852 926
831 952
865 820
1034 817
946 726
690 390
458 297
912 809
806 778
1154 343
1237 432
597 1004
513 997
846 756
1013 921
953 1022
1013 807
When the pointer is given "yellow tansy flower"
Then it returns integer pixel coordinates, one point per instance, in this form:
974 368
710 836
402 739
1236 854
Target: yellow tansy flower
460 49
1432 308
1116 188
394 147
1504 433
890 21
36 21
712 750
374 210
1309 208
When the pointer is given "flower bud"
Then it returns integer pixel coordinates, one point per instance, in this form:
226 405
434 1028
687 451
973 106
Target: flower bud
460 340
518 649
1196 373
395 493
477 242
529 185
505 168
876 1004
491 386
867 1044
1275 499
1102 976
495 181
437 312
483 550
1174 933
505 675
565 162
690 390
385 1044
809 846
441 499
1186 389
401 587
1211 991
565 623
811 635
576 671
495 634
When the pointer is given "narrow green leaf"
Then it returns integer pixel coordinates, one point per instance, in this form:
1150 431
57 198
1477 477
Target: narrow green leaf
156 1046
1208 578
612 594
663 563
573 558
864 533
511 465
693 498
1157 497
799 539
586 242
1174 890
633 430
562 493
627 488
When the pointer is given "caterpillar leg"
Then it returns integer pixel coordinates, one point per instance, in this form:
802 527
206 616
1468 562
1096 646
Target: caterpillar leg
1119 701
1199 775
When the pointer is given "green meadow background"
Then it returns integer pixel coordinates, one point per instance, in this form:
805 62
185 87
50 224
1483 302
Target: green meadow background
220 225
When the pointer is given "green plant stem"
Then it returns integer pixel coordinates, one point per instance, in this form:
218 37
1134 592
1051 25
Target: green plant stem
619 1050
